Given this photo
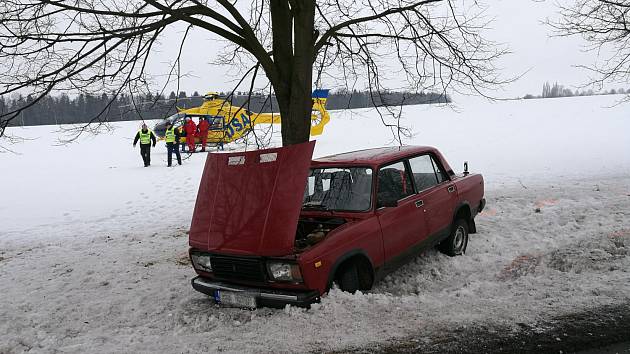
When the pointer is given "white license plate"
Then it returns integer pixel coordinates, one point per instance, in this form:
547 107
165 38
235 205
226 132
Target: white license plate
236 299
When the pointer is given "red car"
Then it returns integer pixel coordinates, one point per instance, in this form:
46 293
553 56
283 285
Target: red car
271 227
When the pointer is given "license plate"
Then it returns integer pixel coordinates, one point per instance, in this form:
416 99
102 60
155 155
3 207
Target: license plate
235 299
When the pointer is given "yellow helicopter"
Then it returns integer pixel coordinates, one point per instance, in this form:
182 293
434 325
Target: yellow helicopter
228 123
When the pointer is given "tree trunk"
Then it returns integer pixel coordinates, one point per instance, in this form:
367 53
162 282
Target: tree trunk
295 68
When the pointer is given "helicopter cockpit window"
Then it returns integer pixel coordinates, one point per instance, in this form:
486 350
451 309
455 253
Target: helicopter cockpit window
215 122
175 118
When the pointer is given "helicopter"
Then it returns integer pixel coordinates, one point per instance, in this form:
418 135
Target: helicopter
228 123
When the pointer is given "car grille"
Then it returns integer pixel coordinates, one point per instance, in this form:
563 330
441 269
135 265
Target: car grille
238 268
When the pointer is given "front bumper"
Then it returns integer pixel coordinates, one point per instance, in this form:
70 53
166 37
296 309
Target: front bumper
264 297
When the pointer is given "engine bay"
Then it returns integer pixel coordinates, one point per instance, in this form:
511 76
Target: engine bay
313 230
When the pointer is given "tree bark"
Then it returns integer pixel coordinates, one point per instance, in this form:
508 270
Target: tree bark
293 59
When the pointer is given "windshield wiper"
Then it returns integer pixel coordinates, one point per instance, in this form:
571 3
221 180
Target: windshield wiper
315 206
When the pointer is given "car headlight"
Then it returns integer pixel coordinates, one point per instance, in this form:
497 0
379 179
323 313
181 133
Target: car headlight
282 271
201 261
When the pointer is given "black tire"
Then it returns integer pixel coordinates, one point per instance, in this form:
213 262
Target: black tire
348 278
455 244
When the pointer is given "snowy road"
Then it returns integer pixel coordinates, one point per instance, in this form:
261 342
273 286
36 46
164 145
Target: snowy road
93 247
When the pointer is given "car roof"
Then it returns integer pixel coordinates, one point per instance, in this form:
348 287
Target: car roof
374 156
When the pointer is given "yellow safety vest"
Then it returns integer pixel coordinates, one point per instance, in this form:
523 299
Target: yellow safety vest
170 135
145 138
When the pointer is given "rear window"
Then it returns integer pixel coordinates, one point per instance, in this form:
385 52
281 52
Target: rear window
426 172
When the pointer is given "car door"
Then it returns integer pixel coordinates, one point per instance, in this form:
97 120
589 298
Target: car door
437 192
399 212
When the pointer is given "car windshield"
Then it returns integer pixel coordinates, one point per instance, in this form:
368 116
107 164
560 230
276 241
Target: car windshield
338 188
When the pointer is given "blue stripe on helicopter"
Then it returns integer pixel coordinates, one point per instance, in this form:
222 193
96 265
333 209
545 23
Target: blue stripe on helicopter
236 125
320 93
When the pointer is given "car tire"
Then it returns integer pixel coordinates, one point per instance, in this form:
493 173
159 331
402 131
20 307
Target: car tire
455 244
348 278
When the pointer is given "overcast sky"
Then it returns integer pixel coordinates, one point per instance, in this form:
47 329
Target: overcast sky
536 54
536 51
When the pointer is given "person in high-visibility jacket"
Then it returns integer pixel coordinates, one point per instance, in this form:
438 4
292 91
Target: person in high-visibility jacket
171 136
146 137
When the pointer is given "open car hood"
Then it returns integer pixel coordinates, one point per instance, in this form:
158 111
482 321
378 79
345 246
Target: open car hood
249 202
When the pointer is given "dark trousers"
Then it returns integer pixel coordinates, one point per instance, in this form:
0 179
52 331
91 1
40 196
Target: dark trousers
173 148
145 152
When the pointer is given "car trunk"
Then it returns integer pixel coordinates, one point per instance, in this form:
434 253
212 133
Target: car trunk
249 203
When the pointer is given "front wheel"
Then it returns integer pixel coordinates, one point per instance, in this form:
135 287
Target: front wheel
455 244
348 279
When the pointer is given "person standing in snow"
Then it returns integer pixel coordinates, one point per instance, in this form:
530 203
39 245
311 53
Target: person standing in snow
191 129
182 132
172 144
146 137
203 132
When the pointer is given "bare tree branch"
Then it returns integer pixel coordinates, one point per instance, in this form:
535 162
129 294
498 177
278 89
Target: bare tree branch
604 24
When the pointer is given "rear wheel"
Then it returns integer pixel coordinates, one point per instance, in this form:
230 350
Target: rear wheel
455 244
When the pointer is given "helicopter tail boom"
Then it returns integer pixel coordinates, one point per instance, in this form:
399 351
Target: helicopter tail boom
319 116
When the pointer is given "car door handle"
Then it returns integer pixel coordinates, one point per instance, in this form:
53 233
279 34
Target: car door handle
451 189
419 203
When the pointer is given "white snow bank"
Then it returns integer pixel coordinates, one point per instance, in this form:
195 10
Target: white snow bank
506 140
93 246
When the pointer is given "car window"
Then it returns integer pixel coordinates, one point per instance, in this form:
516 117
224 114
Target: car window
441 175
393 183
423 172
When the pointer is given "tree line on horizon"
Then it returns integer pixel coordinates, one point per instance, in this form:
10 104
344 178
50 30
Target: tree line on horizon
64 109
557 90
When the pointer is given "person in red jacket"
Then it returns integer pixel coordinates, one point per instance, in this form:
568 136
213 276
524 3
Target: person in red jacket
191 130
203 132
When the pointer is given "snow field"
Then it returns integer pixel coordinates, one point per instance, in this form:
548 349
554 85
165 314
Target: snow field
93 247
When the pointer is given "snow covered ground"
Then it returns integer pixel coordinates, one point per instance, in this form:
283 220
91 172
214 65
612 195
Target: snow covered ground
93 247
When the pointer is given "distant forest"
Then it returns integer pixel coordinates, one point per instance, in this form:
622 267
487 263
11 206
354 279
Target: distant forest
64 109
557 90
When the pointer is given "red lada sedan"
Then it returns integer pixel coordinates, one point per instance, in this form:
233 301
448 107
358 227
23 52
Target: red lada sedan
271 227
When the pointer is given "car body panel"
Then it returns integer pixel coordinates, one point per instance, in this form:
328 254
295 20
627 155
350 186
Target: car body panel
402 226
361 235
438 206
470 190
379 156
248 206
